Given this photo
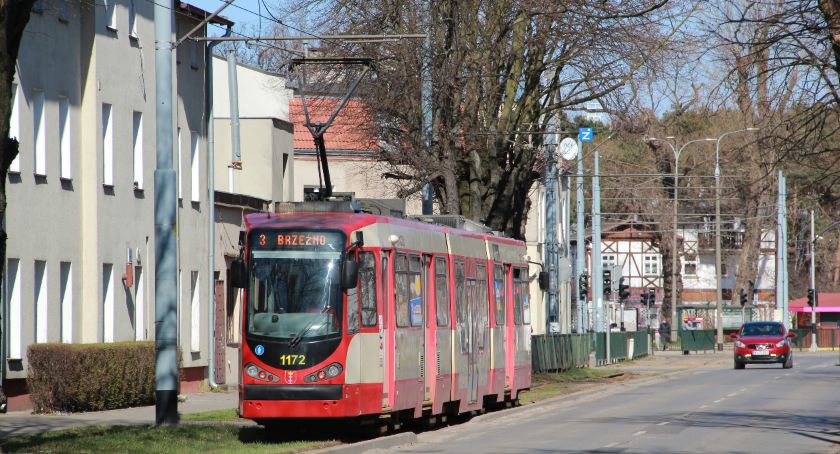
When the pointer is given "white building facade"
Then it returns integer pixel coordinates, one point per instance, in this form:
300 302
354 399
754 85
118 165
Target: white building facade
80 248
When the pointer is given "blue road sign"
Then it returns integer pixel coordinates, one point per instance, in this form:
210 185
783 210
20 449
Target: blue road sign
585 134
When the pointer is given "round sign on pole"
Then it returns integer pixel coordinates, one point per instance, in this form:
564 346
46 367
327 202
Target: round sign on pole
568 149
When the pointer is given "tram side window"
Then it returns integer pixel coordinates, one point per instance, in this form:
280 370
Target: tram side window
483 304
416 291
461 305
367 288
523 290
353 295
441 291
517 296
499 292
401 277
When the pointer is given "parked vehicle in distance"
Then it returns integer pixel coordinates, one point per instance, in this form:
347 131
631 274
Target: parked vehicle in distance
763 342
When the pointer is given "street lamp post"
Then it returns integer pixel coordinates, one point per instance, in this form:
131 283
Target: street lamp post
677 152
718 271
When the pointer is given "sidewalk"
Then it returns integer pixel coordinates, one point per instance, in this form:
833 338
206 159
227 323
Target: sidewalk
24 422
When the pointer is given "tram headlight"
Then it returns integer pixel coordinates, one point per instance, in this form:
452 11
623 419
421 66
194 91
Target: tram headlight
252 370
333 370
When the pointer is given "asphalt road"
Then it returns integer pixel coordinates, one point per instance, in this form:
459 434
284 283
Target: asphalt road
708 408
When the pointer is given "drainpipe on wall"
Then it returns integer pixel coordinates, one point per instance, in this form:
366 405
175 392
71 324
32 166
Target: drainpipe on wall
233 87
211 203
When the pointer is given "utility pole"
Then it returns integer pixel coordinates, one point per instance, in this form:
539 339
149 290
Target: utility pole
166 322
601 323
551 262
580 260
781 251
813 286
426 106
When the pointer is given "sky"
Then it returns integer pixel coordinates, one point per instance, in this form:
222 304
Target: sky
245 14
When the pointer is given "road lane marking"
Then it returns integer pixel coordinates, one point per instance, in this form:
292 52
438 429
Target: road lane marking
641 432
718 401
743 389
703 406
663 423
730 395
611 444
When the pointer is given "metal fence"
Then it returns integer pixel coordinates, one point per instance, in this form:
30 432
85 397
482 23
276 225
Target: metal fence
559 352
696 340
641 344
826 338
620 346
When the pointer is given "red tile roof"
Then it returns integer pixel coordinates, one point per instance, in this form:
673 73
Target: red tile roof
350 131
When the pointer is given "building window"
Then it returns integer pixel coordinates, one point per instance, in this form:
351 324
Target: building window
690 264
64 137
137 141
13 296
651 265
111 14
139 305
14 126
195 313
132 19
65 293
608 261
41 308
107 146
40 135
180 174
107 303
194 167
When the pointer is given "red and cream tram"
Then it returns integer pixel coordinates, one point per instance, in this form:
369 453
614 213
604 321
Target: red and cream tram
351 314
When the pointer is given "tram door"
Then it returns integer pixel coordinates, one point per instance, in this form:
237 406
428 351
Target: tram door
473 331
386 330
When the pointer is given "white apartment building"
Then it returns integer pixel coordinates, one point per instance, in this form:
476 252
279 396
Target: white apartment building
80 256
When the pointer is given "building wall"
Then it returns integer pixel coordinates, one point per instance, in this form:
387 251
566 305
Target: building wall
700 287
82 220
261 94
357 174
266 155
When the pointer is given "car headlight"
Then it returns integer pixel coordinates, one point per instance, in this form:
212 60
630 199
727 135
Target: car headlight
781 343
739 344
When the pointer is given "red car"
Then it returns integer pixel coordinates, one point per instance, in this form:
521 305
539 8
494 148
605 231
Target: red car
761 343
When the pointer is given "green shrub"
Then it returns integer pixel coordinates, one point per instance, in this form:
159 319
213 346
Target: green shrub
91 377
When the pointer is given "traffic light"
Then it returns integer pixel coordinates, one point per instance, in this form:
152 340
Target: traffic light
583 286
812 297
607 281
623 292
651 295
643 298
743 296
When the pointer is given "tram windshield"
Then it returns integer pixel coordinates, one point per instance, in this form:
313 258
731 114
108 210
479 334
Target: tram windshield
294 290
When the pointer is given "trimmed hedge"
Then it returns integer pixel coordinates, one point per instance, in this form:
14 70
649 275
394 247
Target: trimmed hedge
91 377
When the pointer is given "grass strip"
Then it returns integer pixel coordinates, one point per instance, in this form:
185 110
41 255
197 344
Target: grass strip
187 438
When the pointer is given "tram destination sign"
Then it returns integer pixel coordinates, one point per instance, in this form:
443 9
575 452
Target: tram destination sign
262 239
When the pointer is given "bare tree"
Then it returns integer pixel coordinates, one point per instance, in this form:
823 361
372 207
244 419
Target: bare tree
500 72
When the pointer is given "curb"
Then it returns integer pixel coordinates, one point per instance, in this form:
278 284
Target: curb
391 441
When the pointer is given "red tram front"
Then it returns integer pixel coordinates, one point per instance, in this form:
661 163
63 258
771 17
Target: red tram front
342 311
